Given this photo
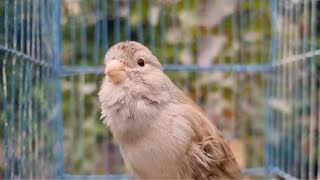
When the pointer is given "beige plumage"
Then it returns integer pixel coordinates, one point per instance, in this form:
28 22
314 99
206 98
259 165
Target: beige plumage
161 132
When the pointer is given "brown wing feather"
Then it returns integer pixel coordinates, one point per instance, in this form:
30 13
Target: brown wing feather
209 156
213 159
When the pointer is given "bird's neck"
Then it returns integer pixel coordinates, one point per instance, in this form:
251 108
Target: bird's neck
130 113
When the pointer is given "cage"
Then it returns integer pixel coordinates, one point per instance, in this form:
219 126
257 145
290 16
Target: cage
250 65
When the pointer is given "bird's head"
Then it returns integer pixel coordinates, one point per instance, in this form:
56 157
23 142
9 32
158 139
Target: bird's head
134 89
129 60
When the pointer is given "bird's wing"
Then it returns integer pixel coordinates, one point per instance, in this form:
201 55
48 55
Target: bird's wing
209 155
213 159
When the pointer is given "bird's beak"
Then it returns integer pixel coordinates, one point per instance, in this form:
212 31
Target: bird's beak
116 71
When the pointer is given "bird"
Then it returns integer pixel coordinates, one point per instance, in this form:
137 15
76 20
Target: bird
161 133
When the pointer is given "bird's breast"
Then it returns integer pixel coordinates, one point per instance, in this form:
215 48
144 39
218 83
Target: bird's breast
152 156
160 150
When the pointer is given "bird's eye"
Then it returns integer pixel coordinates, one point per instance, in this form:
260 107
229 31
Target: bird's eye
141 62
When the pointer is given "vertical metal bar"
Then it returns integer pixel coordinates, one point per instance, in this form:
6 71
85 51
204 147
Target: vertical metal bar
242 32
29 119
83 33
254 118
5 94
33 19
312 125
41 121
266 86
318 99
13 89
81 83
6 24
151 26
187 49
254 96
49 15
282 98
284 120
318 143
140 28
175 40
278 88
20 106
296 122
45 82
186 6
117 21
37 99
42 89
267 124
47 116
235 41
287 91
38 32
5 109
36 87
128 24
47 89
96 60
273 162
24 120
49 20
197 32
290 134
28 49
26 89
163 27
105 38
303 67
57 68
73 32
95 145
41 117
15 25
208 74
243 60
52 100
96 33
30 93
274 54
221 60
268 95
285 27
277 114
296 97
263 51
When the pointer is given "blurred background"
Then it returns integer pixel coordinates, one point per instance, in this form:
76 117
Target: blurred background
250 65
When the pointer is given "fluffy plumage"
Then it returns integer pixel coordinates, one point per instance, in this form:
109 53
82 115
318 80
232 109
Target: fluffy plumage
161 132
